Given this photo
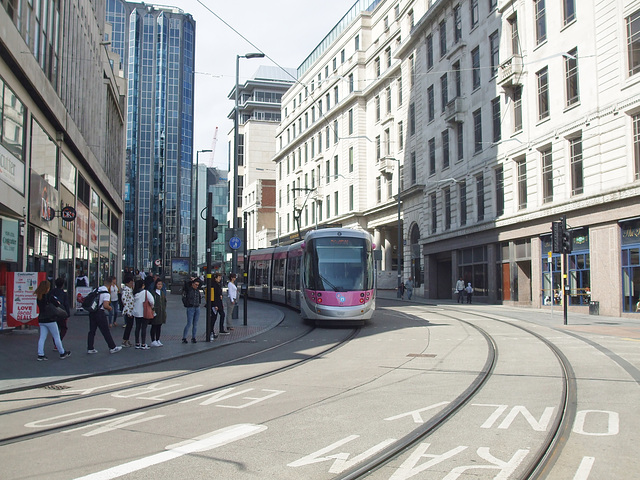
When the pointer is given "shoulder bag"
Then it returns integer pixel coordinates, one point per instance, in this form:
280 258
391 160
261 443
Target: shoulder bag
147 311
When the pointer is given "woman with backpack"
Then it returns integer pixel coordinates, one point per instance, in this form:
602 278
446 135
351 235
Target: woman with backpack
47 322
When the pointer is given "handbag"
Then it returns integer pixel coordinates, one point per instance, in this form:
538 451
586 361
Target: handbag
147 309
54 312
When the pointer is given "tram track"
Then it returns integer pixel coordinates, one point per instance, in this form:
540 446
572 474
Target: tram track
353 333
545 456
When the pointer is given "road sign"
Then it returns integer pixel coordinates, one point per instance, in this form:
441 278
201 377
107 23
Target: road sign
157 262
235 243
68 214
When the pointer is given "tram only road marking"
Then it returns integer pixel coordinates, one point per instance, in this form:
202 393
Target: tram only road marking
202 443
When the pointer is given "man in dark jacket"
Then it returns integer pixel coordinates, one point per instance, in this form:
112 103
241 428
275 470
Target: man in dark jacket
192 304
63 299
217 306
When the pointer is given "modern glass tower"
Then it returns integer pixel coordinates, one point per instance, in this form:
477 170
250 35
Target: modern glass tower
156 45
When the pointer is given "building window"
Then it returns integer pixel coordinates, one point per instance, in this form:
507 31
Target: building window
475 67
412 119
356 42
327 137
569 11
328 206
350 159
457 78
351 121
445 149
492 5
447 208
377 100
378 189
387 56
497 130
429 52
376 66
412 71
432 156
494 46
351 202
460 141
342 56
336 135
350 82
577 176
336 206
463 203
443 38
547 175
388 91
515 37
387 142
633 42
327 171
571 77
431 107
399 91
477 130
474 13
521 168
434 213
499 175
414 168
457 24
541 21
378 154
336 97
444 91
636 146
400 136
543 93
517 109
480 196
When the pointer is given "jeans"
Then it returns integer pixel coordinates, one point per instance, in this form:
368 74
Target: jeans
220 313
193 315
128 321
45 330
141 330
98 320
113 314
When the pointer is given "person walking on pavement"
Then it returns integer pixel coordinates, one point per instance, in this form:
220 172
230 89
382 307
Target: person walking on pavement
469 291
217 306
409 287
47 323
192 303
141 295
127 310
232 298
460 290
98 320
62 298
113 313
160 307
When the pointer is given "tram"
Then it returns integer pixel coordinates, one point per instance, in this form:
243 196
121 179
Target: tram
329 276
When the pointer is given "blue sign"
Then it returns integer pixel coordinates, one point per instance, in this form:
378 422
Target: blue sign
235 243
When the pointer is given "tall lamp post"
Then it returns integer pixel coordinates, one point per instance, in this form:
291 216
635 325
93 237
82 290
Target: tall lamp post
194 202
236 123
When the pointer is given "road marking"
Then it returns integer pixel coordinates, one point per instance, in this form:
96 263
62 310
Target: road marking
585 468
202 443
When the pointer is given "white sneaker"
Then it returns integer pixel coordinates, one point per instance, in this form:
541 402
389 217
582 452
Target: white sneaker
154 344
92 351
115 349
159 343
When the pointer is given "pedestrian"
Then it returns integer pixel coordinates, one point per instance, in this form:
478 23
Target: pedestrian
47 322
62 298
217 306
469 291
127 309
192 302
460 290
114 290
232 298
140 296
409 287
401 291
160 307
98 320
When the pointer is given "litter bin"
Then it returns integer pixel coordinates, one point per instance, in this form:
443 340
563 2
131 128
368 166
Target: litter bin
594 308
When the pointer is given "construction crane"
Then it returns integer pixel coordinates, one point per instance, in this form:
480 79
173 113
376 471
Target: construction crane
213 147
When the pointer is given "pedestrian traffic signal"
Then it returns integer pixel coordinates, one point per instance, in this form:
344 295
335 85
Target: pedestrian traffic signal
567 241
213 226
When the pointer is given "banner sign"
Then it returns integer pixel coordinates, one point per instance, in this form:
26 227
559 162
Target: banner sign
81 293
22 306
9 249
11 170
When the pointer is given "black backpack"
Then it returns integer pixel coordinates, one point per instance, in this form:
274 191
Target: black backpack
91 302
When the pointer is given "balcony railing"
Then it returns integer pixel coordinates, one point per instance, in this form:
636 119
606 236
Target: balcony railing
510 71
454 111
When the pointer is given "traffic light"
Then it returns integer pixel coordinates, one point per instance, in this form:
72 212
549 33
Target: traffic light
557 237
566 242
213 226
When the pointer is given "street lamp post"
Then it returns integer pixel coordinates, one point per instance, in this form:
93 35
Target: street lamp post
194 202
236 123
399 254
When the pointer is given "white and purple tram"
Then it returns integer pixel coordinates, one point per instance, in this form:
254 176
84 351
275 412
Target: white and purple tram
328 276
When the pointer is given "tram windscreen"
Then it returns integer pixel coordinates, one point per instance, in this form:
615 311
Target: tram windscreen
339 264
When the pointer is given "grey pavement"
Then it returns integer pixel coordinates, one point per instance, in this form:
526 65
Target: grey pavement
19 368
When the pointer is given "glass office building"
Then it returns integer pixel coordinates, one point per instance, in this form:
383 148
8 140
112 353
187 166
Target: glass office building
156 45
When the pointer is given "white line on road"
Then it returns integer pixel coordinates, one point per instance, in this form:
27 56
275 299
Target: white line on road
585 468
202 443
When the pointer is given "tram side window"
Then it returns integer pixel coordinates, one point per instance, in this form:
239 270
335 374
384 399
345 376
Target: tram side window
278 272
